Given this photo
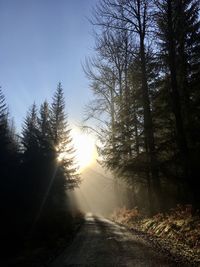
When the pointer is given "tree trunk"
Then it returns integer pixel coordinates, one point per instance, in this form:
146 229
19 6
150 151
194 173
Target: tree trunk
175 97
148 126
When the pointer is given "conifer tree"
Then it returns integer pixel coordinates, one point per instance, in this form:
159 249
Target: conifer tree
8 140
179 37
4 130
62 141
30 162
30 134
9 163
44 127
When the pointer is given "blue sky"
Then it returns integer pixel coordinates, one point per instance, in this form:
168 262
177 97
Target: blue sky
43 42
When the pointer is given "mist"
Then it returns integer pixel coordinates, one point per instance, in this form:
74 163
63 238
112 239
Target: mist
99 193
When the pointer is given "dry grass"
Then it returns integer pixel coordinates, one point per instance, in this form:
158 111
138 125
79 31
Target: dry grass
179 228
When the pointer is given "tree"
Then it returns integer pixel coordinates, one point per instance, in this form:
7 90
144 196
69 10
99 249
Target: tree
4 130
135 18
9 164
179 35
62 142
8 141
30 134
30 182
45 133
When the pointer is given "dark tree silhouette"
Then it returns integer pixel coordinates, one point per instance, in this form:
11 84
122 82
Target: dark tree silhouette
145 81
9 166
62 141
179 35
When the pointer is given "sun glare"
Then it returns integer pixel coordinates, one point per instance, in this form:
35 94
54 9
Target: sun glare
84 145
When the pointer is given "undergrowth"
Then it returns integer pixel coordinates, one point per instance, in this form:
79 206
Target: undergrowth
179 228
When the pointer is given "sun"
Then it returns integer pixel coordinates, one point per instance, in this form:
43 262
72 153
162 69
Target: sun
84 145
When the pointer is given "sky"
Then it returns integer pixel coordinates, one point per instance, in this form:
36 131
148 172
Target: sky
43 42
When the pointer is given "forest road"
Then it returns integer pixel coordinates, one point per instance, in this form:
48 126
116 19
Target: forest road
102 243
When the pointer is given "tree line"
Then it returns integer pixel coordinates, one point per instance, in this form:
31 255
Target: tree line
145 79
37 168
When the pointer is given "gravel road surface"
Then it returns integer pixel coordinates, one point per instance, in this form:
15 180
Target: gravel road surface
102 243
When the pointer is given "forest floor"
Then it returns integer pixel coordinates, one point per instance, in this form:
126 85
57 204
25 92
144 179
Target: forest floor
39 252
176 233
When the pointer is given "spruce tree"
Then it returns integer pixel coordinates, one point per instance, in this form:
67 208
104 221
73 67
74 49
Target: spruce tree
67 177
32 165
179 37
4 129
9 163
8 141
30 134
44 127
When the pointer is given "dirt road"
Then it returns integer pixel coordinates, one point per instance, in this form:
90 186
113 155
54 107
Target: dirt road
102 243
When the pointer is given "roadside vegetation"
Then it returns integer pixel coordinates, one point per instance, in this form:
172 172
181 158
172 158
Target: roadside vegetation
37 172
48 242
177 231
145 110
